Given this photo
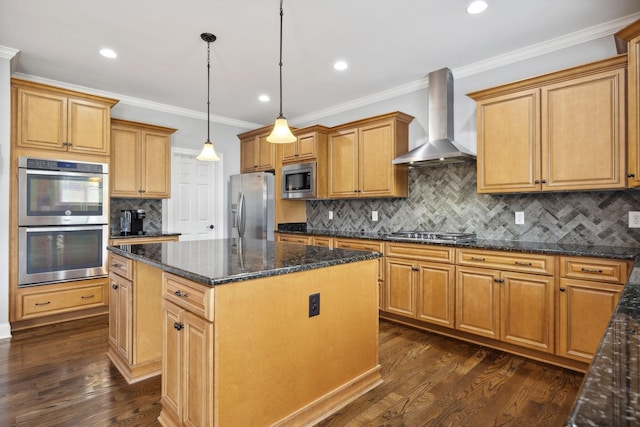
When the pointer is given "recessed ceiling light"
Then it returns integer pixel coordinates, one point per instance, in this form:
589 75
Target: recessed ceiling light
108 53
264 98
340 65
477 6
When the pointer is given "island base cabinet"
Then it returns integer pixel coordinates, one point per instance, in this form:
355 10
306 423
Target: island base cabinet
187 395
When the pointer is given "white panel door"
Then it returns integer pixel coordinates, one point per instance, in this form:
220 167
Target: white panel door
195 208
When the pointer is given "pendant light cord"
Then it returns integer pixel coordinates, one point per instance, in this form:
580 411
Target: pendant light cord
280 63
208 89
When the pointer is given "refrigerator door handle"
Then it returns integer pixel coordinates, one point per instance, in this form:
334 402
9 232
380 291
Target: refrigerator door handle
241 215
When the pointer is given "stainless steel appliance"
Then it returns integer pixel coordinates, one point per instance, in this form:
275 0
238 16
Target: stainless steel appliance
251 210
132 222
299 181
60 192
63 220
433 236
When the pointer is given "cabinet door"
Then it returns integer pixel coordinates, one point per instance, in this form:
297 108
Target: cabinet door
124 326
156 165
343 164
248 155
436 291
306 146
527 310
633 105
586 116
585 309
400 295
509 143
375 153
114 309
172 363
197 359
290 152
478 301
266 153
125 160
42 120
88 127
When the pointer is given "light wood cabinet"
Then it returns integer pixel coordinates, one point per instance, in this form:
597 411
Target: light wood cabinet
256 153
292 238
557 132
114 241
310 145
360 155
589 290
50 118
628 41
515 306
135 311
327 242
140 160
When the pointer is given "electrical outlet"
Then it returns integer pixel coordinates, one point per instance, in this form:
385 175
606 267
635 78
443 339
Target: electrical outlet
314 305
374 215
634 219
520 218
330 214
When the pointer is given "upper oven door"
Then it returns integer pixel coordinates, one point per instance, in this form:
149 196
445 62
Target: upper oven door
61 198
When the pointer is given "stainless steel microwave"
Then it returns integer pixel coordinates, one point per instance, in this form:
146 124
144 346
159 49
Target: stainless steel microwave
299 181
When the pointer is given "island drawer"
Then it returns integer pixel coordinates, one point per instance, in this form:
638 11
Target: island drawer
420 252
189 295
604 270
511 261
121 266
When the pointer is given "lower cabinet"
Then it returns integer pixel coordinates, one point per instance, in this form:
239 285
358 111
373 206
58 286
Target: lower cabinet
120 326
187 396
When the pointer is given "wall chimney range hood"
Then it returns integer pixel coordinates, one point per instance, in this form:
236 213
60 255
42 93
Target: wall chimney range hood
441 148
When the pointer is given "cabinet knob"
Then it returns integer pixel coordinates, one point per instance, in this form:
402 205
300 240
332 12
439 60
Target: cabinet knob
537 181
178 326
415 269
631 175
562 289
498 280
114 286
544 181
211 227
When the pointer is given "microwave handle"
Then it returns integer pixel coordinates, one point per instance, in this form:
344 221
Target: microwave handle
240 215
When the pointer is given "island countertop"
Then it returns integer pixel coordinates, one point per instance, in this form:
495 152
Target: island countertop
220 261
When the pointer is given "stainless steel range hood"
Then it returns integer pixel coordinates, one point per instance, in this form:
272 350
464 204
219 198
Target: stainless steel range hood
441 148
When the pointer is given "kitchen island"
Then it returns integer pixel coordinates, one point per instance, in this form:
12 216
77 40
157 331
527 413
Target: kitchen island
262 333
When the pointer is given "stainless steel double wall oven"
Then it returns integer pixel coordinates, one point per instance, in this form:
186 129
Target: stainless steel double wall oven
63 217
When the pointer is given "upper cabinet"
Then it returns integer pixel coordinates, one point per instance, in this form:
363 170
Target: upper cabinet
256 153
50 118
310 145
360 155
628 41
140 160
557 132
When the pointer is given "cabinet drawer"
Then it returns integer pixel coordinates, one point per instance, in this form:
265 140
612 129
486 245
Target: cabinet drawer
599 269
121 266
189 295
420 252
359 245
293 239
321 241
512 261
45 303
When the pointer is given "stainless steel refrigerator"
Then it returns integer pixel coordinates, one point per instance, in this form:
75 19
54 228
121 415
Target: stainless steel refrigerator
251 210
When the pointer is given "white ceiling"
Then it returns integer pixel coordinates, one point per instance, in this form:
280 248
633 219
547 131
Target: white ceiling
387 43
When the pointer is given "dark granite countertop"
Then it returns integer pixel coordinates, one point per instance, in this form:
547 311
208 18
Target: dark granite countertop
139 236
221 261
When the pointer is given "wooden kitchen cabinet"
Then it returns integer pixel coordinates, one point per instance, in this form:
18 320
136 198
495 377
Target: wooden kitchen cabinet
310 145
530 131
114 241
360 155
510 304
589 290
55 119
140 160
628 41
256 153
135 311
292 238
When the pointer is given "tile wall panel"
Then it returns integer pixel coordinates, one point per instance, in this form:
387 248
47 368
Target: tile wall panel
153 213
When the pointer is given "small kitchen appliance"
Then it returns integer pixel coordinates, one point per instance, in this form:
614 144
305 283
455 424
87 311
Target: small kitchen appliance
132 221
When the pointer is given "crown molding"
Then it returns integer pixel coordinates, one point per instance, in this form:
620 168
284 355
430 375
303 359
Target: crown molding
142 103
8 52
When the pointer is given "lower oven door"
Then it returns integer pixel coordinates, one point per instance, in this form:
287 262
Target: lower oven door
55 254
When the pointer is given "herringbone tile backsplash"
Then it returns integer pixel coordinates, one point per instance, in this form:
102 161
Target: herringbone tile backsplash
444 198
152 208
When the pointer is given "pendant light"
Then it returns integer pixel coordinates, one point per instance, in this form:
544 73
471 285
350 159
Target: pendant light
208 153
281 134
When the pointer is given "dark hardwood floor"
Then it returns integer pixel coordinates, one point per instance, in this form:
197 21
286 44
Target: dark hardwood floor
60 375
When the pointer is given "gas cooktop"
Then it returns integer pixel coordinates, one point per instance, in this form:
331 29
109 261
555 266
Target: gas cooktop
433 236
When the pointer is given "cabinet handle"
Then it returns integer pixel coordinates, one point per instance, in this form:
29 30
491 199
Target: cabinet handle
544 181
114 286
590 270
473 258
345 246
369 248
562 289
43 303
415 269
178 326
523 263
116 265
88 297
537 181
180 294
631 175
498 280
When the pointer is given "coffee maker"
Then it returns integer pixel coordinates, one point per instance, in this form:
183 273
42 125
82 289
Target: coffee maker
131 221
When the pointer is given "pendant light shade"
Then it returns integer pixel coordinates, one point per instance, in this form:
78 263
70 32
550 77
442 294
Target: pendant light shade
281 134
208 153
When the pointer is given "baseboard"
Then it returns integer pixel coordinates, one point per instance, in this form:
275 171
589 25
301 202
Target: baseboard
5 330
